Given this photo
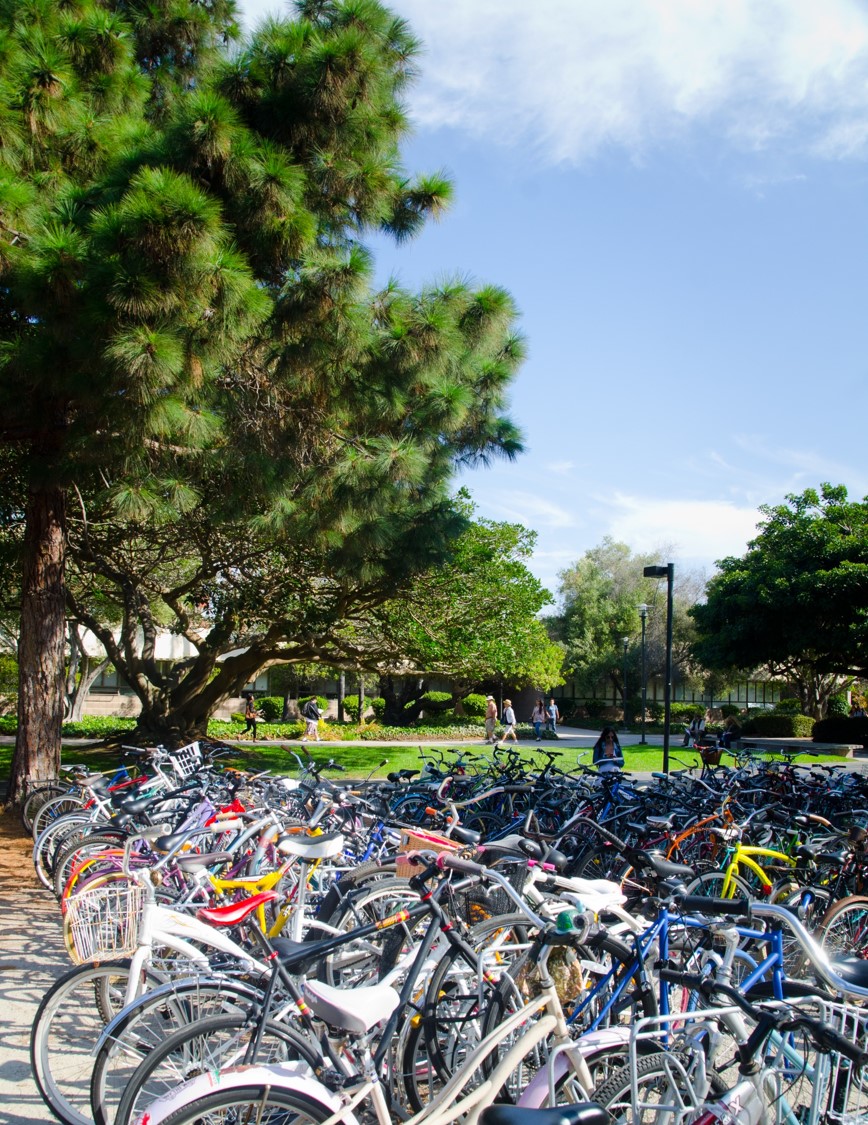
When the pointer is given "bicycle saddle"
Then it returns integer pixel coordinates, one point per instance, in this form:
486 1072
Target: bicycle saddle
853 969
200 862
585 1113
310 848
358 1009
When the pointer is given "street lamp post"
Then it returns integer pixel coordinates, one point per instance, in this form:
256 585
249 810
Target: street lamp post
643 614
667 572
625 642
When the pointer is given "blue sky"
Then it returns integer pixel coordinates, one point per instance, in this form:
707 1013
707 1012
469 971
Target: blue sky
676 194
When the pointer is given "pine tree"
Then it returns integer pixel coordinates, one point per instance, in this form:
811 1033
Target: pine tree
185 302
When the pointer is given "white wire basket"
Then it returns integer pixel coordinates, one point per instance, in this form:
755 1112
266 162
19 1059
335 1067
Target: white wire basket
102 923
186 761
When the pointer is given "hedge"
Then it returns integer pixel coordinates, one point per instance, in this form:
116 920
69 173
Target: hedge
774 725
846 730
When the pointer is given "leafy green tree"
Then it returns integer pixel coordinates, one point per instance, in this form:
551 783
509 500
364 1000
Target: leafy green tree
600 596
472 619
244 599
186 297
796 603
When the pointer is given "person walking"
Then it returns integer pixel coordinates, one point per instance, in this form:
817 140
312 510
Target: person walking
553 717
508 722
312 716
490 718
251 715
538 718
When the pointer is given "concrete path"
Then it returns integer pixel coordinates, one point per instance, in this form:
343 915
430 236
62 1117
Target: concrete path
32 956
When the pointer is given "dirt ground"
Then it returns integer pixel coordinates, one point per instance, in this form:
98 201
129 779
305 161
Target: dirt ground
31 957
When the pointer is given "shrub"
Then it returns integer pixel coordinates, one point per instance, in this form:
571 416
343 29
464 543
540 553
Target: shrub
271 707
656 712
837 707
684 712
594 708
378 706
437 697
846 730
774 725
789 706
351 707
474 705
729 710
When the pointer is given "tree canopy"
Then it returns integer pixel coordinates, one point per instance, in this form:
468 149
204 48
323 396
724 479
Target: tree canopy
797 601
601 594
186 295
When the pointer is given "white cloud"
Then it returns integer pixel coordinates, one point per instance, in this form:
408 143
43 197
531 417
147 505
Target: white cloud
561 468
697 529
528 508
568 78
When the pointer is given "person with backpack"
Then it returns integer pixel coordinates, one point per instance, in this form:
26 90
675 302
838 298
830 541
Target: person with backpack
251 715
312 715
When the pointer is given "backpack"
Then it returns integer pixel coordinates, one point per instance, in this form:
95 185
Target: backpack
310 710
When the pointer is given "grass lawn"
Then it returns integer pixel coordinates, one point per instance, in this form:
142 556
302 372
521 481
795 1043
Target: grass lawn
363 759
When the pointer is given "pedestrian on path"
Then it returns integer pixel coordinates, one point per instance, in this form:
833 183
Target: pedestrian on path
553 717
538 718
508 722
490 717
312 716
251 715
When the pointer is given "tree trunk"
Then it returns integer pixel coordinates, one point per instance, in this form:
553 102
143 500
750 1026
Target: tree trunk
42 643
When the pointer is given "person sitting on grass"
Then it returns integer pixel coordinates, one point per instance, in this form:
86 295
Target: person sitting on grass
608 755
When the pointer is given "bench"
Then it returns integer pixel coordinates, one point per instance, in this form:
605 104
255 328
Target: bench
799 746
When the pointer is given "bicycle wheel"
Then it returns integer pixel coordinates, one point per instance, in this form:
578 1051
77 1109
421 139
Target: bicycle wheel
37 799
74 853
52 838
53 809
843 930
261 1105
585 986
208 1046
434 1039
68 1024
710 885
366 961
146 1023
659 1082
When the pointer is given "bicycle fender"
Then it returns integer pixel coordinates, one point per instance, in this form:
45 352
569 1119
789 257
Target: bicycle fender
536 1094
171 989
282 1076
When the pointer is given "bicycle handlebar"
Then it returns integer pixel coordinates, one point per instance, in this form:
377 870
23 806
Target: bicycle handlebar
825 1037
816 954
737 907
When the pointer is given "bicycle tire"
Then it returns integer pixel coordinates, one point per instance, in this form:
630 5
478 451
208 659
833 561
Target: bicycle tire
65 1031
427 1051
51 839
710 885
352 965
37 798
265 1105
615 1094
54 808
843 929
74 853
145 1023
208 1046
637 1000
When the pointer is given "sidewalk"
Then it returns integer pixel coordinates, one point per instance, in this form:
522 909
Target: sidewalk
32 956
